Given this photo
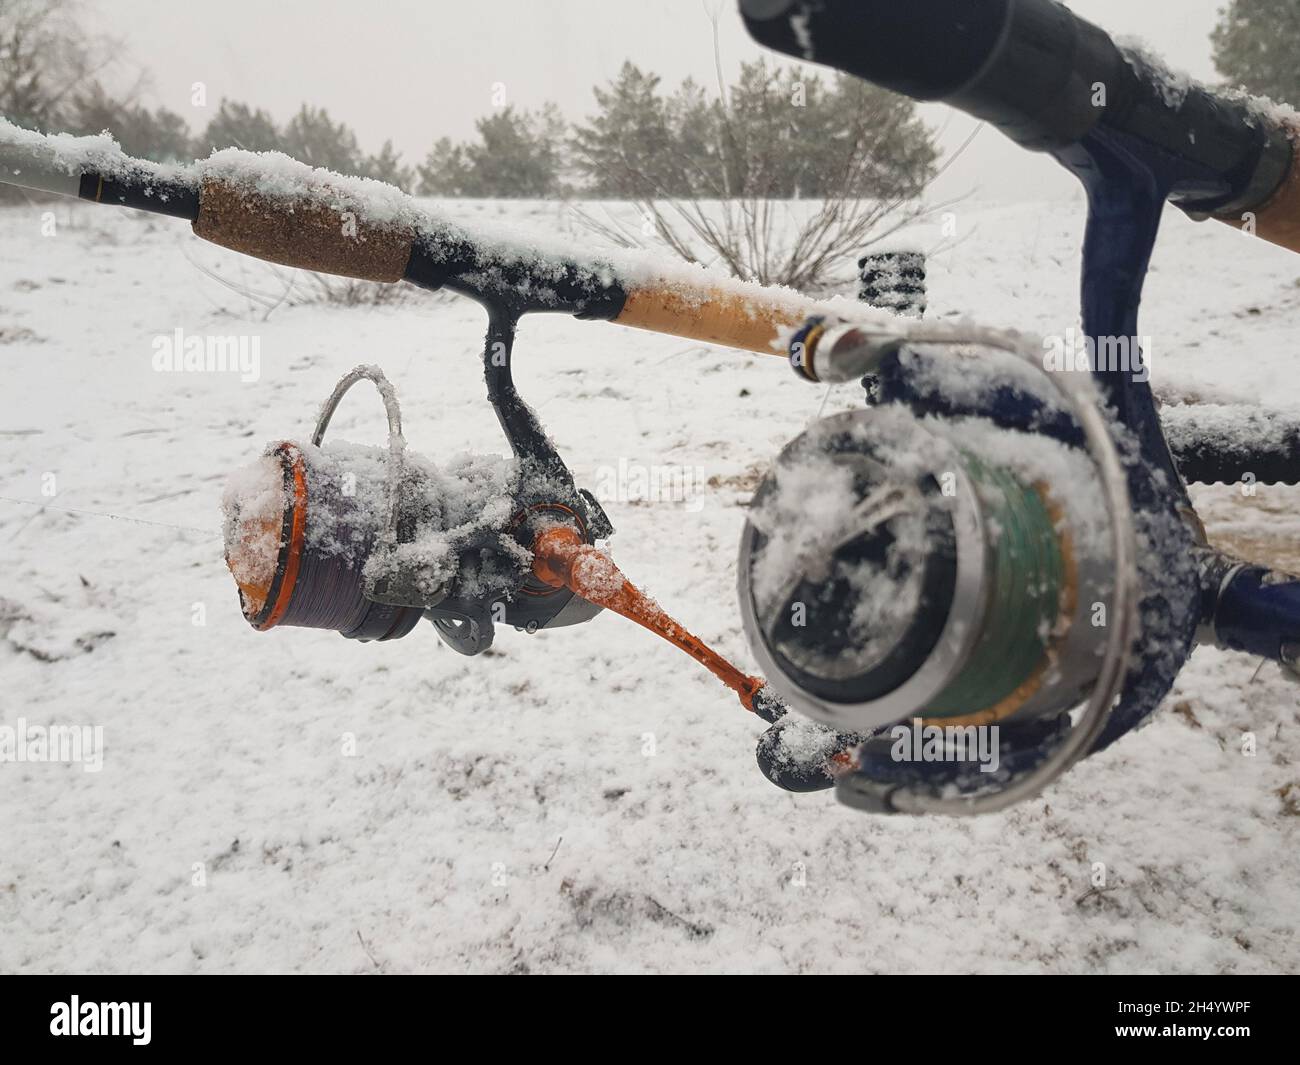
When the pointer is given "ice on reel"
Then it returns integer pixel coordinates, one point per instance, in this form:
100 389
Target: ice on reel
367 540
957 573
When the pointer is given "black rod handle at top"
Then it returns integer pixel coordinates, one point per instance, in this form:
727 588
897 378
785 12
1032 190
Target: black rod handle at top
925 49
1045 77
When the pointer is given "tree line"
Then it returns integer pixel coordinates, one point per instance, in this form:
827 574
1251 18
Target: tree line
778 132
782 133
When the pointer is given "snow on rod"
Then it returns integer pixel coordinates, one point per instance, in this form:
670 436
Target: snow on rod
971 647
274 208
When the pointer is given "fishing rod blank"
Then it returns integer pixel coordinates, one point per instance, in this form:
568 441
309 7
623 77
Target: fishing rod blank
306 219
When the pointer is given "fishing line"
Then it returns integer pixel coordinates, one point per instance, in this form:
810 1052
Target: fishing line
107 514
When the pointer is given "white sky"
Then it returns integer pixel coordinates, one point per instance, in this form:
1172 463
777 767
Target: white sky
414 70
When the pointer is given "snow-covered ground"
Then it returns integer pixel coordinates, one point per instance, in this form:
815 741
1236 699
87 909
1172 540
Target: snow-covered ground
578 800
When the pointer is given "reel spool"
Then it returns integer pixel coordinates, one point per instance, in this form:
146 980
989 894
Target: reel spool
285 576
888 571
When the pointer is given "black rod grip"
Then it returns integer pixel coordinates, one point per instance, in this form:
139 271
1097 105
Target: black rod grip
925 49
1045 77
1021 65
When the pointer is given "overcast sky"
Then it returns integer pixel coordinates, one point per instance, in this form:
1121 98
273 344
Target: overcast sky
414 70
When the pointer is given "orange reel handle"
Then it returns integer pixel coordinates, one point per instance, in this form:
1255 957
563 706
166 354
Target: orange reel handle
562 559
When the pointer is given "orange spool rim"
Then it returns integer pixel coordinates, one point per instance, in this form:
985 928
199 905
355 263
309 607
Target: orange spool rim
293 533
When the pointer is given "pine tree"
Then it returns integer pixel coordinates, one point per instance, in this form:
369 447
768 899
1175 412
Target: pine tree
161 135
780 133
875 139
698 153
626 147
771 123
387 166
1256 45
236 125
514 158
313 137
517 154
445 171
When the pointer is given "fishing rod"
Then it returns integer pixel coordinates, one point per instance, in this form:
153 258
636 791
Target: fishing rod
987 546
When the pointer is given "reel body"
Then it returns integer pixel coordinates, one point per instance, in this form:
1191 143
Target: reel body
943 554
367 540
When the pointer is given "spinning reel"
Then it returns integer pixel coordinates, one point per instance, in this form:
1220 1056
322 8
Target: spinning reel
952 571
891 566
367 541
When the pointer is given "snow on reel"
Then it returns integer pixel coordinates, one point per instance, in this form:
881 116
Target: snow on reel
890 569
367 541
938 593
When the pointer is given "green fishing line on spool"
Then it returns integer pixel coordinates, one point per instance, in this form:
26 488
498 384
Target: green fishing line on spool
1027 572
